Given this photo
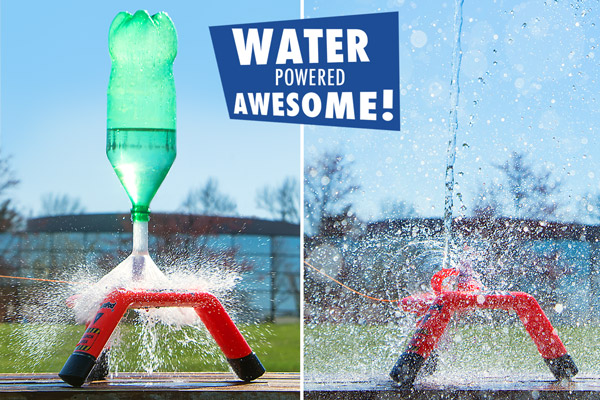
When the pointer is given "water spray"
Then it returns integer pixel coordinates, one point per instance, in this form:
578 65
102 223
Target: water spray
453 293
140 145
435 310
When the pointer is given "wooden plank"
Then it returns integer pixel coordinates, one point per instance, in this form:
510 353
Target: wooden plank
160 385
586 388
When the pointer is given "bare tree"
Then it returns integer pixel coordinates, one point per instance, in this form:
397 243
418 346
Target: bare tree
207 200
282 202
10 218
531 194
487 203
60 204
329 184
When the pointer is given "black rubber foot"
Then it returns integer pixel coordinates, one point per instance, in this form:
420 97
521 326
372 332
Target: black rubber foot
247 368
562 367
100 370
77 368
406 369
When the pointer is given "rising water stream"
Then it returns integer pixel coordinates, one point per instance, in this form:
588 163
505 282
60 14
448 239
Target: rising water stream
452 131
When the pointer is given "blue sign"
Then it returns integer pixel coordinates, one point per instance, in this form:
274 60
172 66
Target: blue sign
339 71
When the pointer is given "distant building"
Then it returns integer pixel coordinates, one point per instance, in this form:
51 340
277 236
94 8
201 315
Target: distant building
558 263
265 253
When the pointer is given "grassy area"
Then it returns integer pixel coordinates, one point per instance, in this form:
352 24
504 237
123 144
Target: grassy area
359 350
45 348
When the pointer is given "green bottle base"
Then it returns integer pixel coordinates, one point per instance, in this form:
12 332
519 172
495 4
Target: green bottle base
141 158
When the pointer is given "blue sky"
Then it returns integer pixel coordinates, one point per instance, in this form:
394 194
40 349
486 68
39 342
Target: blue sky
55 70
538 64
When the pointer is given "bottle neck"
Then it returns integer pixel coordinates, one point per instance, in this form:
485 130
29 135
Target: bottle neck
140 237
140 213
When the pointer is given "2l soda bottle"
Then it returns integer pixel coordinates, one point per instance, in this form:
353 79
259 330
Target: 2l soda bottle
141 120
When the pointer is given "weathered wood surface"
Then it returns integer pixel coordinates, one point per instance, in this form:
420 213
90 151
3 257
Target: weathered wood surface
160 385
488 389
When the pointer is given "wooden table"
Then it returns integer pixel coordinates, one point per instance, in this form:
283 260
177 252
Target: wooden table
160 385
487 388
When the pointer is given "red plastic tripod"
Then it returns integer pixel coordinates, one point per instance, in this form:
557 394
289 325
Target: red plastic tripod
438 307
244 362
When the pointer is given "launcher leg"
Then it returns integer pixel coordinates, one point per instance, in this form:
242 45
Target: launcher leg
429 331
95 336
240 356
544 336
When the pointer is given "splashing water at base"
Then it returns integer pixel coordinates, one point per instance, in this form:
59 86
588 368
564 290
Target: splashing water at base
147 339
352 339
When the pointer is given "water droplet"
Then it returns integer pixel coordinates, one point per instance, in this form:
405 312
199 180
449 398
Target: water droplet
418 38
519 83
559 308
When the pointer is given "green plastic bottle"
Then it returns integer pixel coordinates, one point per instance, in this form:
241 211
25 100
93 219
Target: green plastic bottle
141 120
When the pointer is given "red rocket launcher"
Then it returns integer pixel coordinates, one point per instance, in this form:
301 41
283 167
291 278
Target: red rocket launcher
243 361
436 309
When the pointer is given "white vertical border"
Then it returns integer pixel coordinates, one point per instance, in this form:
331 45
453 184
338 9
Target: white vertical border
301 259
301 212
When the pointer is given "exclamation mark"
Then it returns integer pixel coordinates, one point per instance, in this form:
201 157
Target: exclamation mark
388 102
